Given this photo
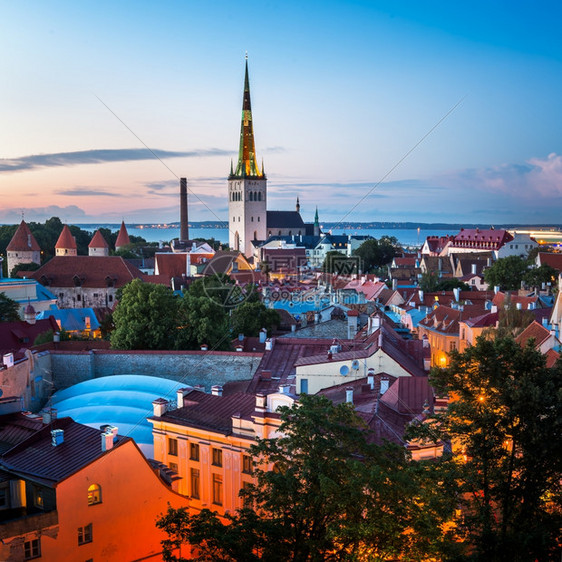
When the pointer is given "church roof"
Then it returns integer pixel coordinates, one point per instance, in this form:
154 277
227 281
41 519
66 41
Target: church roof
66 240
98 241
23 240
122 237
247 164
284 219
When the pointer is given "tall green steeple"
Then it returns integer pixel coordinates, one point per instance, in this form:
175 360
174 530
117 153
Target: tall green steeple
316 221
247 165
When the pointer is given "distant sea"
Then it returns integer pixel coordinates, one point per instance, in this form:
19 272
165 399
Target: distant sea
407 237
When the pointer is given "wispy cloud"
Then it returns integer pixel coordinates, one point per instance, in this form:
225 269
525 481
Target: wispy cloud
98 156
88 192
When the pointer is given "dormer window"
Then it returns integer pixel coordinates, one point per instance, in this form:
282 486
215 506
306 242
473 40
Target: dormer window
77 281
109 282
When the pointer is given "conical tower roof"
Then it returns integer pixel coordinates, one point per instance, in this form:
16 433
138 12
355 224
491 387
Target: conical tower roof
23 240
66 240
98 241
122 237
247 164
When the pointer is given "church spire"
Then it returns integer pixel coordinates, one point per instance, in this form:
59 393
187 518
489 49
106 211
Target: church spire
247 165
298 206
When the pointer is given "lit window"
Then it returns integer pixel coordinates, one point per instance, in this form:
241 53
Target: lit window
38 498
94 494
32 549
194 452
217 457
85 534
217 489
173 447
247 464
195 483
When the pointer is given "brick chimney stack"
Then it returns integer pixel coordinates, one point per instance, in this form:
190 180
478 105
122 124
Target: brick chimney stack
184 227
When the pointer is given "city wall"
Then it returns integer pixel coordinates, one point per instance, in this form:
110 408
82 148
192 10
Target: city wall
190 367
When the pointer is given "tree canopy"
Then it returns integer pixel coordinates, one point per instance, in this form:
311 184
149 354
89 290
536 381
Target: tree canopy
331 495
377 253
504 422
9 309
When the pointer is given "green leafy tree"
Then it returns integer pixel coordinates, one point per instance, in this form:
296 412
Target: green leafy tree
9 309
250 317
332 495
24 267
336 262
428 282
450 284
507 273
145 318
202 320
537 276
504 422
377 253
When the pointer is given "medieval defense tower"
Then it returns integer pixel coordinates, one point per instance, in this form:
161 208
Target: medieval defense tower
247 186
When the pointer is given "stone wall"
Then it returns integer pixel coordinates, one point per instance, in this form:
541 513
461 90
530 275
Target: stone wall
190 367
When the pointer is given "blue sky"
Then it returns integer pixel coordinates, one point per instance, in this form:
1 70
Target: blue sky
392 111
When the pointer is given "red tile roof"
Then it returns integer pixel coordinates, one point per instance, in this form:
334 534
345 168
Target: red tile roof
500 298
408 394
552 357
15 428
91 271
66 240
170 265
554 260
534 331
98 241
15 337
23 240
37 458
489 239
210 412
122 237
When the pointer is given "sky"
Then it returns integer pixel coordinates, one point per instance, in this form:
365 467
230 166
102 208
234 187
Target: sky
371 110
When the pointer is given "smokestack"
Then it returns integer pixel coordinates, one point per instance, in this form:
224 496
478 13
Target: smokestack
184 229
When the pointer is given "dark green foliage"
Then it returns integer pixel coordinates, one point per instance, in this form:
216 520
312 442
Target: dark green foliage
377 253
45 337
9 309
332 496
336 262
145 317
507 273
537 276
24 267
250 317
505 424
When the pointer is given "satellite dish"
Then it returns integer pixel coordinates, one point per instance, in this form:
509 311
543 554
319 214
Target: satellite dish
344 370
355 364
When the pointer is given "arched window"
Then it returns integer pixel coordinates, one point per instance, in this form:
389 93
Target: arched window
259 196
251 195
94 494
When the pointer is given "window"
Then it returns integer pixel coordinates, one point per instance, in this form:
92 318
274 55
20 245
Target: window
85 534
304 386
174 467
32 549
38 498
246 501
195 483
453 345
172 447
247 464
194 452
217 489
258 219
4 498
217 457
94 494
78 297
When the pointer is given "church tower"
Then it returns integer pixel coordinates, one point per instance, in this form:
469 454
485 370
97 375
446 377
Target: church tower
247 186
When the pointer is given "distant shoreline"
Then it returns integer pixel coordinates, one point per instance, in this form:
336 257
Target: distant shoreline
339 226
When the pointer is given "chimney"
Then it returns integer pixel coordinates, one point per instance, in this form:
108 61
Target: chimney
261 402
457 293
107 440
57 437
371 378
159 407
518 306
181 393
349 395
496 289
420 295
473 269
184 228
216 390
284 388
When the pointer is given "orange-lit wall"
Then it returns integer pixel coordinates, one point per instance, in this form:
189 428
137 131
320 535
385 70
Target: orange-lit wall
124 522
441 344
